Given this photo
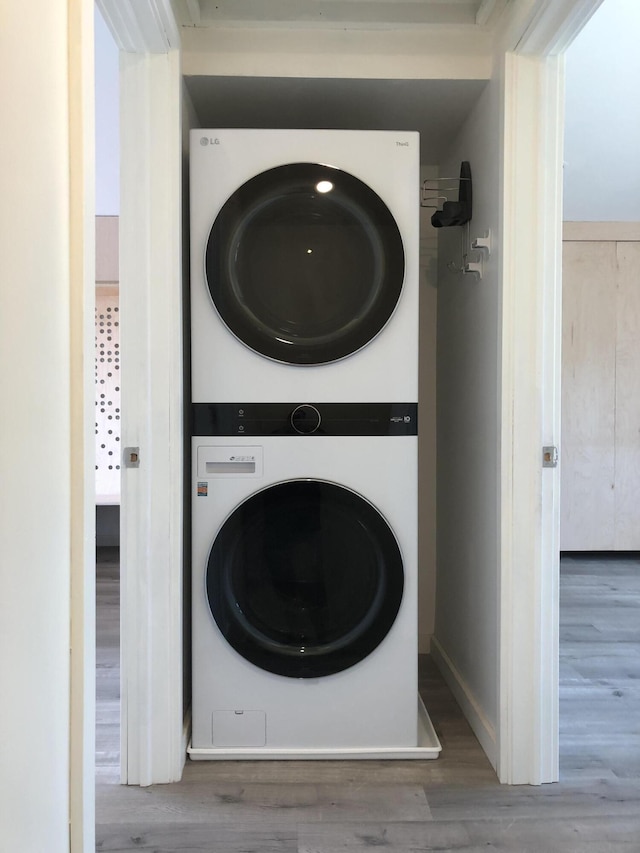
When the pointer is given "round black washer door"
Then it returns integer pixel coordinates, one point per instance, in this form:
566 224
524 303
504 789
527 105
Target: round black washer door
305 264
305 578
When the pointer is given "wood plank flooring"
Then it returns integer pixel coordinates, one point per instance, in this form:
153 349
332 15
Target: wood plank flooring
454 803
600 667
108 665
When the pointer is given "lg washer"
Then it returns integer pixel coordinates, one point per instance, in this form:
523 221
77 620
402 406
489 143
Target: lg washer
305 581
304 265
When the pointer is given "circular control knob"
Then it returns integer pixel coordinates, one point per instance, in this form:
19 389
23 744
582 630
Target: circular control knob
305 419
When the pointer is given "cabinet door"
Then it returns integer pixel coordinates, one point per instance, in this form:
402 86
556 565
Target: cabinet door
588 396
600 508
627 393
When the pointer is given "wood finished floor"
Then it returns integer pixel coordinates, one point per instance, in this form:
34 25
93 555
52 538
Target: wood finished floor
600 667
452 804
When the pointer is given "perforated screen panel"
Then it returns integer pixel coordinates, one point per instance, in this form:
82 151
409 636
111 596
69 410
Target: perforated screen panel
107 373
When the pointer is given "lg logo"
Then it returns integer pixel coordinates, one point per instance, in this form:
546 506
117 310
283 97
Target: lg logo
206 140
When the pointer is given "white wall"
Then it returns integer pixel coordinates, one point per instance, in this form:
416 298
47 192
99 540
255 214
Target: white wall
35 520
394 54
602 119
107 121
468 400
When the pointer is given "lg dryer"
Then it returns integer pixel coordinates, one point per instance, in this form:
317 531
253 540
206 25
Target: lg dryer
304 265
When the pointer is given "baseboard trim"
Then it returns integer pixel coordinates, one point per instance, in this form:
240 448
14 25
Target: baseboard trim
482 728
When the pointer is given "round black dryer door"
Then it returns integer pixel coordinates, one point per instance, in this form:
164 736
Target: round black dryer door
305 578
305 264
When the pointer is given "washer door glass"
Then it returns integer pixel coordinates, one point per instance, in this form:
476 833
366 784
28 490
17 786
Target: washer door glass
305 264
305 578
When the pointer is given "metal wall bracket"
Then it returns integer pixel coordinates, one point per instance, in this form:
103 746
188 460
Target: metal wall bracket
474 267
483 242
550 456
454 212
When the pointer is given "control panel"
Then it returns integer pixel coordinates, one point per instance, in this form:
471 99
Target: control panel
304 419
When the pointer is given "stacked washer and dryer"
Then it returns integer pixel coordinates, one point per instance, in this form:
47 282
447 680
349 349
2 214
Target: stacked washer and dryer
304 334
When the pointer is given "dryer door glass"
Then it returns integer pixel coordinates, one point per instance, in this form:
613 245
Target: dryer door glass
305 579
305 264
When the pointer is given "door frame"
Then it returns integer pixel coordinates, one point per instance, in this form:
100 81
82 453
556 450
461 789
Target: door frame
152 718
152 735
529 594
528 749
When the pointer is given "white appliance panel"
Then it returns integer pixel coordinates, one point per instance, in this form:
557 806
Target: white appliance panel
372 703
224 369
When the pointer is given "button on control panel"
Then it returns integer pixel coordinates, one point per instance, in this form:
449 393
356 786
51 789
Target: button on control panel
305 419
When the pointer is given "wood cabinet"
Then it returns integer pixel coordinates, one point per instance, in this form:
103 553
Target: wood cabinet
600 453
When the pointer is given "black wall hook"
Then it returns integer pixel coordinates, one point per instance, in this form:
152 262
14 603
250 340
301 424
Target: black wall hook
457 212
